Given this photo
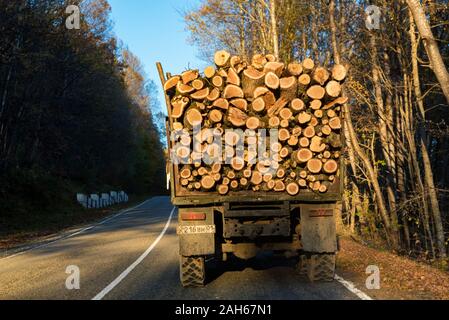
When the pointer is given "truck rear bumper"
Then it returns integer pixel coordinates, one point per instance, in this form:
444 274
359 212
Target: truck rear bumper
254 197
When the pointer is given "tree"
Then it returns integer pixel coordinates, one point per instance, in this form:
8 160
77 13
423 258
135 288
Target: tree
71 109
431 45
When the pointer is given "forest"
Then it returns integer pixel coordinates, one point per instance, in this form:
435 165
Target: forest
396 121
75 110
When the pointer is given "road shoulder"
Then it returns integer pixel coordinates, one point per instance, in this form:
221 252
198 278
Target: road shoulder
400 277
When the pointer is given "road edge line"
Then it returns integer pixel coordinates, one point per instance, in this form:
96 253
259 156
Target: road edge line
128 270
351 287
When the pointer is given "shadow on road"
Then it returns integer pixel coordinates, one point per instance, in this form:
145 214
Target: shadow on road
263 261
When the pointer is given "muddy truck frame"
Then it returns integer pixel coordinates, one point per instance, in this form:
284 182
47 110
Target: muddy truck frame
244 223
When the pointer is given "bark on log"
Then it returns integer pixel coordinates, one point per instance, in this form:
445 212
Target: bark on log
270 99
275 67
277 107
279 186
285 123
289 88
274 122
338 101
315 104
251 80
284 134
304 142
237 117
186 172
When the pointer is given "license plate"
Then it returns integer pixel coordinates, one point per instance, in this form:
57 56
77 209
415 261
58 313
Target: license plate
196 229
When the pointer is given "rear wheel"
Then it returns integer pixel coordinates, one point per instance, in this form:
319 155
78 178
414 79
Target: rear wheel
317 267
192 271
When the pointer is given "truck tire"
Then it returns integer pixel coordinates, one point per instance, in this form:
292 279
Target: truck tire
317 267
192 271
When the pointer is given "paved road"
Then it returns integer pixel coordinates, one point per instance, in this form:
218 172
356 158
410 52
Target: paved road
133 245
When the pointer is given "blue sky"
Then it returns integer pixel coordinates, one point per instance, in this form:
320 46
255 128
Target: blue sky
154 30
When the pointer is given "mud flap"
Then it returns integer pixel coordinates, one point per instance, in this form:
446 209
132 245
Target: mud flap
318 229
196 244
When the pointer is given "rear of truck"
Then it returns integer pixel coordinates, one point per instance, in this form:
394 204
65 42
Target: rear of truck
246 223
224 211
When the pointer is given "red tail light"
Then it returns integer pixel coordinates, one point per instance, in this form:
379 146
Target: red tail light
193 216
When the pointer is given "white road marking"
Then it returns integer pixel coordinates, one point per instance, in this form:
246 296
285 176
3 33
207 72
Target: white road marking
351 287
128 270
28 249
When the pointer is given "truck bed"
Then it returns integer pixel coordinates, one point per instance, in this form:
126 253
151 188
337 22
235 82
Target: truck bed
182 197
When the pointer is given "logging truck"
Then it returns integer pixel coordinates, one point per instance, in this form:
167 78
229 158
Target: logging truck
278 196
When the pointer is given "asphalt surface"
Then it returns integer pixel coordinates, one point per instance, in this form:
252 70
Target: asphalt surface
112 248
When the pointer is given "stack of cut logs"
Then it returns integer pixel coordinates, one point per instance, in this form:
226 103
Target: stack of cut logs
303 101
